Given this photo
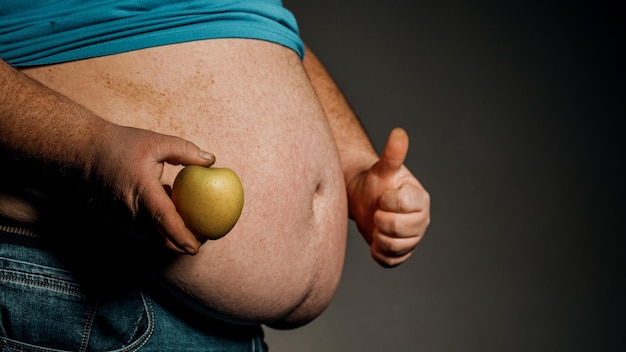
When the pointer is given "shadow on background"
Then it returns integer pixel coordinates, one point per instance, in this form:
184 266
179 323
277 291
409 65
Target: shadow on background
513 113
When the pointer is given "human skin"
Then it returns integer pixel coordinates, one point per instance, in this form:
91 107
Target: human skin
390 206
251 105
254 106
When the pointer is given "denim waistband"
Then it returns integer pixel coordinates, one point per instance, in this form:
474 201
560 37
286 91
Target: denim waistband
19 235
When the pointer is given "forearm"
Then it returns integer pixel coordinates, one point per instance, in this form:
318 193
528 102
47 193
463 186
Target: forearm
36 123
355 149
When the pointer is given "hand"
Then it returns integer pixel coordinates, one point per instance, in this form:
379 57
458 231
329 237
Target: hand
389 205
130 163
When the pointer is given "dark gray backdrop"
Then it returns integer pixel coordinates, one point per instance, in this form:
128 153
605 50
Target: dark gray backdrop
513 111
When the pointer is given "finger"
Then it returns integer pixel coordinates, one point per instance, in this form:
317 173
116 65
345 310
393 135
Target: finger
395 152
388 261
177 151
394 247
176 232
169 245
401 225
405 199
163 213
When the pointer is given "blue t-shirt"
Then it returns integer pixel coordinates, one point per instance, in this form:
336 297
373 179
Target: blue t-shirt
39 32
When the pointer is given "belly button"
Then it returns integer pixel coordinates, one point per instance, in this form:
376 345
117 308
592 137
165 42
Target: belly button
318 195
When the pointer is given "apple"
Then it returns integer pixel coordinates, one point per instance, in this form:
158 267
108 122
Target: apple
209 199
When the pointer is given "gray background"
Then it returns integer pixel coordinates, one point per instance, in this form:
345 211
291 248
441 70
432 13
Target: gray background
513 111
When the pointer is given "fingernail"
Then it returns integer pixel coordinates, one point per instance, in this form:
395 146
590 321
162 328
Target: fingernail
190 250
207 155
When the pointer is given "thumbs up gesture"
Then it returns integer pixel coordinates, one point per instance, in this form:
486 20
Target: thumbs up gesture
389 205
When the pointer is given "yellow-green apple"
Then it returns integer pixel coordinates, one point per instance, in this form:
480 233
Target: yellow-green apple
209 199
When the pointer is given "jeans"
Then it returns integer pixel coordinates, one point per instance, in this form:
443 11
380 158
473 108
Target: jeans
44 307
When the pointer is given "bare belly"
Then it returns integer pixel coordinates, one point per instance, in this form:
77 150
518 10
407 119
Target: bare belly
251 104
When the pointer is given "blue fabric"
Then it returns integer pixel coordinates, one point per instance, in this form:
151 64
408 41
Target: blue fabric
50 31
44 306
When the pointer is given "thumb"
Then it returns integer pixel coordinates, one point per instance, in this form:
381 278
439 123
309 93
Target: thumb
395 152
180 151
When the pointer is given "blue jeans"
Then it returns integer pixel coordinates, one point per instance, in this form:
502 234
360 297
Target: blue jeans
45 307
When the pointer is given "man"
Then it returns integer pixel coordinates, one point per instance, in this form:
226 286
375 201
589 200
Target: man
92 133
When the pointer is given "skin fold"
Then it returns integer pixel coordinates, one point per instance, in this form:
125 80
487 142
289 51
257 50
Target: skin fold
307 167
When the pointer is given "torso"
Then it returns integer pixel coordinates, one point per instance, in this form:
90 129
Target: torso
250 104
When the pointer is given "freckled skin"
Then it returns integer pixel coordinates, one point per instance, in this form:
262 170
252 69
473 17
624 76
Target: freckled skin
210 200
251 104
